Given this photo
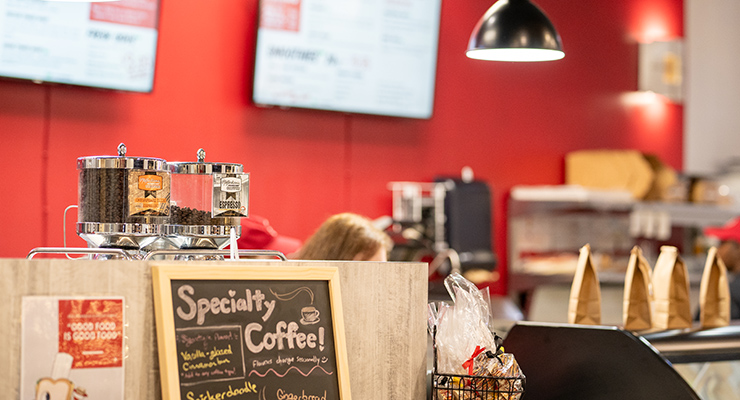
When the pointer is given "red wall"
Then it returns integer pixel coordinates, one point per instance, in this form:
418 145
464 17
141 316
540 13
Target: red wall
511 122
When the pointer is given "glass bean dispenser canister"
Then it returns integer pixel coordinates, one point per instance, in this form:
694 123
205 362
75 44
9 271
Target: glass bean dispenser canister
123 201
208 200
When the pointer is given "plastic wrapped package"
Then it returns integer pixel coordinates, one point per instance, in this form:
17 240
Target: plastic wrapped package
469 360
460 329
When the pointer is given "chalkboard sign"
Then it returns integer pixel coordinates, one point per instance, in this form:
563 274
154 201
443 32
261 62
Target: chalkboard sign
250 332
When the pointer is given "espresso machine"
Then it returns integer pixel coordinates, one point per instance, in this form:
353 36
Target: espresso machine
446 222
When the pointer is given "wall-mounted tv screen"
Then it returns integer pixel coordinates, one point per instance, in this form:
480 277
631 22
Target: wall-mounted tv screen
358 56
110 45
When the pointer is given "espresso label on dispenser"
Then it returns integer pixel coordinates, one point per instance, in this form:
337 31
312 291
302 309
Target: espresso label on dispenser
230 195
148 193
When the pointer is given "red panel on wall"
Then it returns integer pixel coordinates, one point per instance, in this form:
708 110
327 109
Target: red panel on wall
25 199
512 123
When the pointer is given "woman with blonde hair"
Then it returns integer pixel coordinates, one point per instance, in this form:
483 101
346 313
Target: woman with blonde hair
347 236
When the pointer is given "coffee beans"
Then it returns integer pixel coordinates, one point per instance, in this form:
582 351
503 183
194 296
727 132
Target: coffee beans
104 198
192 216
102 195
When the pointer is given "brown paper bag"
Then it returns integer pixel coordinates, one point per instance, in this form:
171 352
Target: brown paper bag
636 313
671 291
714 295
585 294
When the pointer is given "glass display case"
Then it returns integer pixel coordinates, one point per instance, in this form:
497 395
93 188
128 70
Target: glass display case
606 362
709 360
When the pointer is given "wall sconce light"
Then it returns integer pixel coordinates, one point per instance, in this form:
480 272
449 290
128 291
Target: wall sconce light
661 68
515 30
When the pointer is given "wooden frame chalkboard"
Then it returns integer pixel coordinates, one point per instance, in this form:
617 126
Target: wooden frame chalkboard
250 332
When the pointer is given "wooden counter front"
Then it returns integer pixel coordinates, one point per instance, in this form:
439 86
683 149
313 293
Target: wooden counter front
384 313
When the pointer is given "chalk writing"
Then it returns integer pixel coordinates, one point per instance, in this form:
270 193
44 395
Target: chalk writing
282 395
267 334
225 305
248 388
288 370
213 353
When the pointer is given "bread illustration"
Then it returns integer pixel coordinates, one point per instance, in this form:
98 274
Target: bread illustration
54 389
58 386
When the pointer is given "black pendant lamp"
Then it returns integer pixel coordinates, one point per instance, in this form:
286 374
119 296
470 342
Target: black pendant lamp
515 30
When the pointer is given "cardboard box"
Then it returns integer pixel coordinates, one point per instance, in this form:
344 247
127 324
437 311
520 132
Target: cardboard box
610 169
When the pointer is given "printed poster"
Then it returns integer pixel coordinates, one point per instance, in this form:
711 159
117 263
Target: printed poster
72 348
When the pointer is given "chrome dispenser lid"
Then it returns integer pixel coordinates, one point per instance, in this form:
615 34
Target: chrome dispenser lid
122 162
203 168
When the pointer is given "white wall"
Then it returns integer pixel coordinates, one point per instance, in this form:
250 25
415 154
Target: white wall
712 72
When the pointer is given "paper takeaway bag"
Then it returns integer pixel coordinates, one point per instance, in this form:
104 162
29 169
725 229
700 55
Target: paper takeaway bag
584 306
714 295
671 291
636 313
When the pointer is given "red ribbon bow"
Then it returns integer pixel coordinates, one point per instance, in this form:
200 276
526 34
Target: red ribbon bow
469 363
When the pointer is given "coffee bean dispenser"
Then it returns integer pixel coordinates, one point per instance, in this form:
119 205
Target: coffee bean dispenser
123 201
208 201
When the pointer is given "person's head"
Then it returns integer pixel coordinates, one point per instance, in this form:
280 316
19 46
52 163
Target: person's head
729 247
729 252
349 237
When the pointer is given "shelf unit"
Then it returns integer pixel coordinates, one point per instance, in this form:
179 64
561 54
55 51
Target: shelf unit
547 226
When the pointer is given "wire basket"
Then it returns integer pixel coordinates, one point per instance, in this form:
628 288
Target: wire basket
473 387
469 387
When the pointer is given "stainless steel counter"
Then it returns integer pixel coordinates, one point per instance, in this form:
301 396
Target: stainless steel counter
697 345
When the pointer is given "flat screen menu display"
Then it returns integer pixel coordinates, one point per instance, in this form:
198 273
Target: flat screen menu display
105 45
362 56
